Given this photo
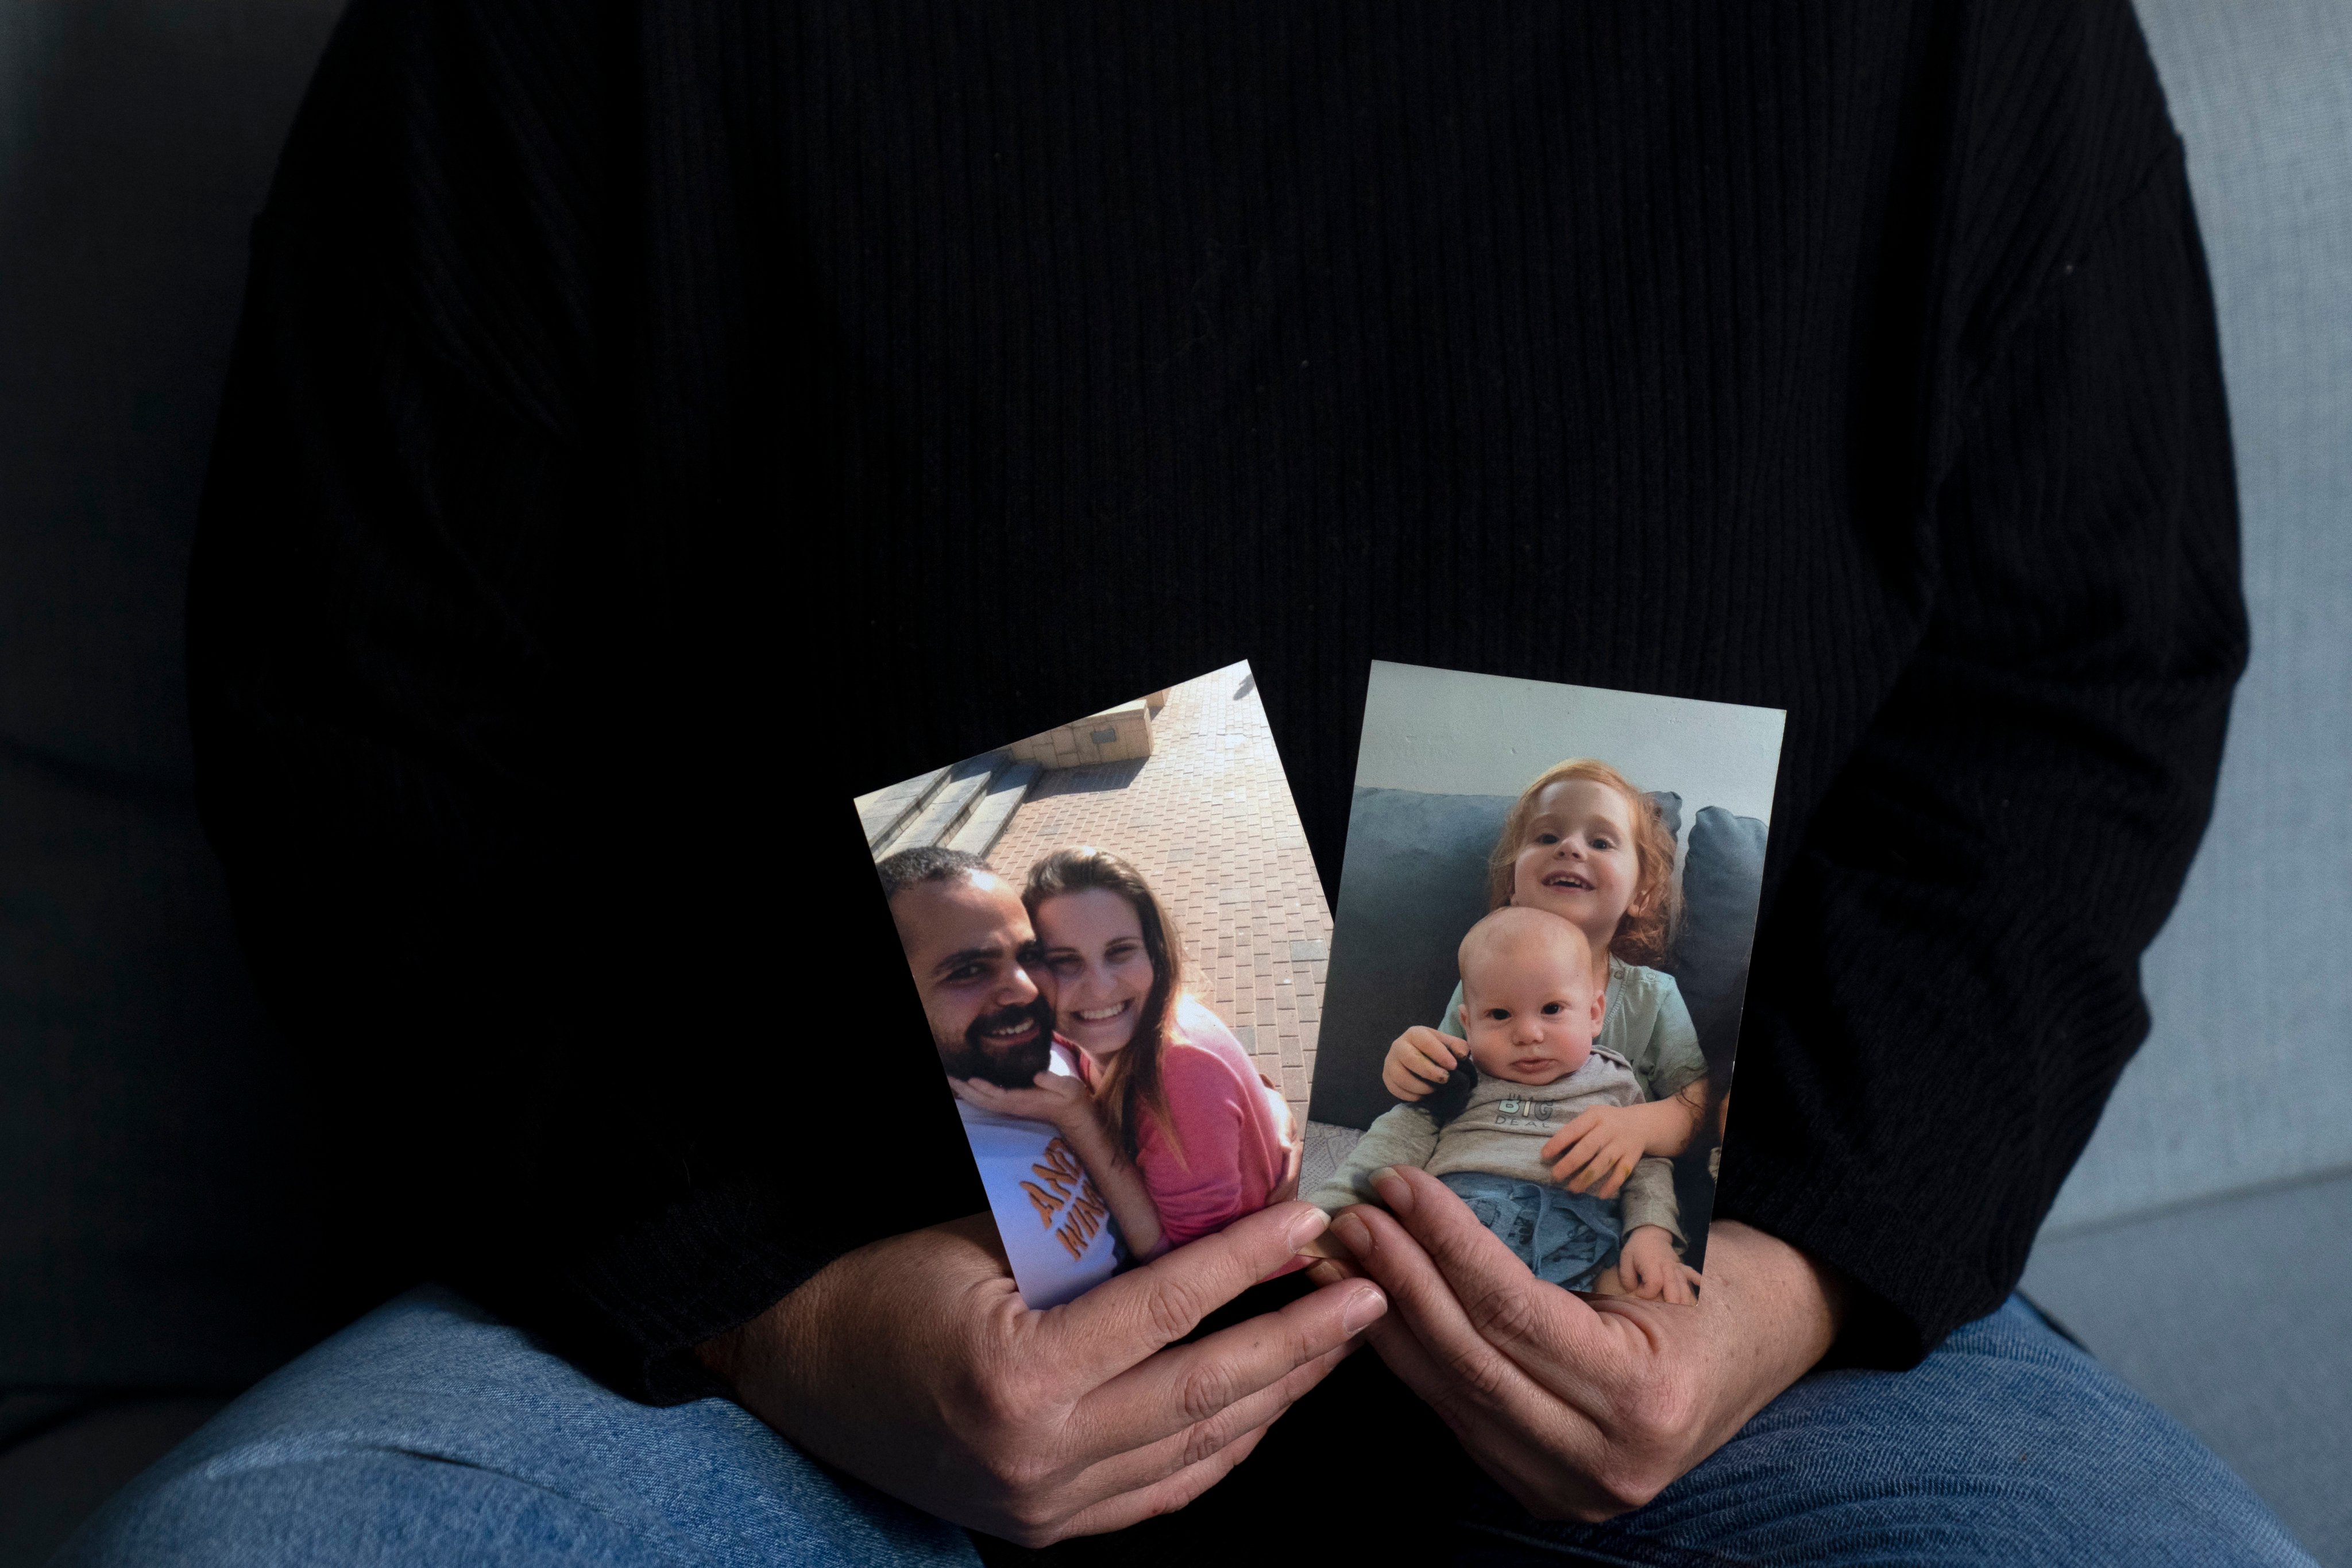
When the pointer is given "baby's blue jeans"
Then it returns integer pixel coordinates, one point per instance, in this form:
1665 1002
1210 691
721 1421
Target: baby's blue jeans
428 1433
1564 1237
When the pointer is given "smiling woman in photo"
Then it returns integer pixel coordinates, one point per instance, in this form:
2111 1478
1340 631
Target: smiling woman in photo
1213 1140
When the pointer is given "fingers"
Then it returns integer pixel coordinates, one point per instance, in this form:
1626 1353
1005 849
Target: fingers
1615 1181
1520 1431
1457 1277
1431 1054
1582 1167
1583 1122
1604 1175
1216 1380
1586 1149
1449 1298
1187 1446
1584 1153
1331 1271
1165 1496
1418 1059
1538 1459
1122 1320
1433 1046
1393 1340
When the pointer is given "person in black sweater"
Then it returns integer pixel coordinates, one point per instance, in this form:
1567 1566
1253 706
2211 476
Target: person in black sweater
652 424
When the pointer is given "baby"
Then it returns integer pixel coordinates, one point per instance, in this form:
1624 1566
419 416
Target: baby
1531 1011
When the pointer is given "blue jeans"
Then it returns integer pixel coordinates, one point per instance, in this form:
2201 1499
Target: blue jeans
1564 1237
428 1433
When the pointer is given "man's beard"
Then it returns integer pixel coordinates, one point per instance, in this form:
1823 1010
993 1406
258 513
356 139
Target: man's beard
1014 1067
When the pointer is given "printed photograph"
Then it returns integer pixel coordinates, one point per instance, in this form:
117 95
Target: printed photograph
1545 917
1119 940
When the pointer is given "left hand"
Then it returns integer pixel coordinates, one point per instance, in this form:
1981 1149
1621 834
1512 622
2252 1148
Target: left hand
1579 1410
1598 1150
1056 1099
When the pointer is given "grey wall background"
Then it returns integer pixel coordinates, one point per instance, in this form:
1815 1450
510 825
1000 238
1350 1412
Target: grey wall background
1446 731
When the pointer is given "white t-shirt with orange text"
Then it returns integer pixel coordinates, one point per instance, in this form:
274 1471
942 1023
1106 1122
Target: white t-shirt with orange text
1056 1228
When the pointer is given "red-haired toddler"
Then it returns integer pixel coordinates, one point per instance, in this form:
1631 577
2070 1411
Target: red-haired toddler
1582 843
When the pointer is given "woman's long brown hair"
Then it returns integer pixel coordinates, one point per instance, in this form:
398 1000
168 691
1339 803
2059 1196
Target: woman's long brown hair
1131 1085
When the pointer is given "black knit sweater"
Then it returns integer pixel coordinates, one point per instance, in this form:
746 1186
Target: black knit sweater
653 424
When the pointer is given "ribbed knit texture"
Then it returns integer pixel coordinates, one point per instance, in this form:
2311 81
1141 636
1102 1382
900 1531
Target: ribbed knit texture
652 425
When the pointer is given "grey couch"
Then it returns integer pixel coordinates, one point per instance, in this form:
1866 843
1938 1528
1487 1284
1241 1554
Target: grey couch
2203 1245
147 1236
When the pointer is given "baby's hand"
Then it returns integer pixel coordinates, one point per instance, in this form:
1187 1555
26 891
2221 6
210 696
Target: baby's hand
1597 1150
1647 1267
1420 1060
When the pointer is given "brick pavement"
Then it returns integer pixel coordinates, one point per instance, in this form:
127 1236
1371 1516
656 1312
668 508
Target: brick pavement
1207 819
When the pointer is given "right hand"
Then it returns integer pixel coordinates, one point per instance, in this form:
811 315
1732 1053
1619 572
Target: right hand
1579 1410
913 1364
1420 1060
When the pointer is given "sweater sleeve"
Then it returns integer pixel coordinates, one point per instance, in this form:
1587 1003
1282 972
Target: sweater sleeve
476 866
1950 968
1649 1198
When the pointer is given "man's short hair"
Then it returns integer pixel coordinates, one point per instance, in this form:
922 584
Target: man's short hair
925 863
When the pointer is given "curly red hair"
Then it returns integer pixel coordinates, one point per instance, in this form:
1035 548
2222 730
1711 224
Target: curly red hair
1647 927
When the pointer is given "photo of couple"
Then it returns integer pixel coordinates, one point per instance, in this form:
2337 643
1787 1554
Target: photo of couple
1094 919
1590 949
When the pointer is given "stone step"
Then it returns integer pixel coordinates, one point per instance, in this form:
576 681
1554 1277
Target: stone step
985 826
885 811
947 806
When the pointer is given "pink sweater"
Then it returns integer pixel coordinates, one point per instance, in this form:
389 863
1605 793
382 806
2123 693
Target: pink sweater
1228 1151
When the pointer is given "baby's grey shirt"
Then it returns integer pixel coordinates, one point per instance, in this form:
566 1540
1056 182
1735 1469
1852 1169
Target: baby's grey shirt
1501 1133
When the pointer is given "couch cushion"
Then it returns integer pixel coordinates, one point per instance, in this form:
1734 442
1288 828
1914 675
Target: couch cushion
152 1232
1723 874
144 1234
2235 1316
1415 880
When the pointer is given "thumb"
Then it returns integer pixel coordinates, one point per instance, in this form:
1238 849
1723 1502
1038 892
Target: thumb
1506 1305
1130 1315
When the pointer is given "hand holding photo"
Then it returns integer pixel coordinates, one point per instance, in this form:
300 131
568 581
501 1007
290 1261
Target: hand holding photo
1573 1087
1117 937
